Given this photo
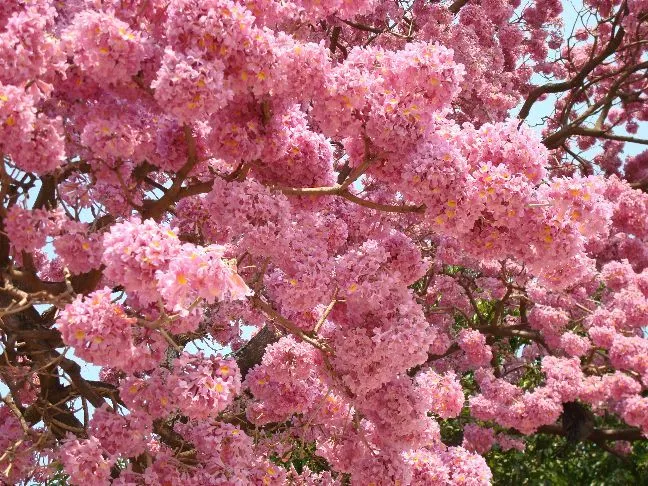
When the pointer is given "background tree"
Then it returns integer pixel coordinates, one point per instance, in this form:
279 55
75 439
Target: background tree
314 242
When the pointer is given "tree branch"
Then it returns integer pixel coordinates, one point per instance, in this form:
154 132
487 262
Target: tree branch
536 93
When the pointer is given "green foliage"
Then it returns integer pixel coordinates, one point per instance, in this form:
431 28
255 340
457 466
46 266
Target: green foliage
419 286
452 430
552 461
58 479
452 269
531 378
300 455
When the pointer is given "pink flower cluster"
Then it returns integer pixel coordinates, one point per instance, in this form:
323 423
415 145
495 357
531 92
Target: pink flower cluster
100 331
199 273
16 456
397 93
473 343
27 229
79 249
454 465
398 411
198 386
286 382
482 439
204 386
444 394
83 460
120 435
106 49
26 50
134 251
190 87
379 318
151 262
510 406
33 140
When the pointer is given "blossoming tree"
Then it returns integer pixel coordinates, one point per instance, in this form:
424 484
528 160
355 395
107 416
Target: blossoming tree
352 180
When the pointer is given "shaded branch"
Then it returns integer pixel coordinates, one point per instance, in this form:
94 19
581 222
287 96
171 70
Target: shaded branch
288 325
156 208
251 354
457 5
629 434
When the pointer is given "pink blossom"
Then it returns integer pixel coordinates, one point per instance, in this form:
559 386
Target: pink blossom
202 387
84 462
199 272
473 343
134 251
286 382
443 392
15 445
120 435
187 87
478 439
27 229
574 345
104 47
101 332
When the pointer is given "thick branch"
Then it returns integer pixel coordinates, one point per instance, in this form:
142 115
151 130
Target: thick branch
456 6
366 28
629 434
157 208
591 132
388 208
288 325
251 354
509 332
